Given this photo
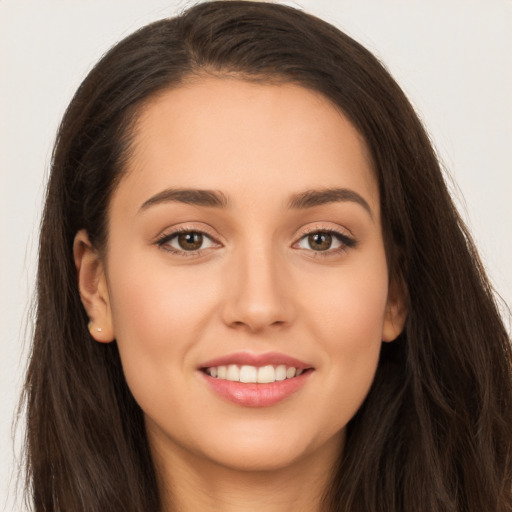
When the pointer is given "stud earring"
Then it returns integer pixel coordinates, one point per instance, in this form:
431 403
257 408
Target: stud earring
90 324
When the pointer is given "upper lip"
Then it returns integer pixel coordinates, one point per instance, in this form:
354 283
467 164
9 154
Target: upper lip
246 358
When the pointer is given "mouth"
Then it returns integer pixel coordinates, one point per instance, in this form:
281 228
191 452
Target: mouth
256 380
254 375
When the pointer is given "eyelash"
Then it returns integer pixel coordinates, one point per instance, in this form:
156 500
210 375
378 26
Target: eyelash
345 241
167 237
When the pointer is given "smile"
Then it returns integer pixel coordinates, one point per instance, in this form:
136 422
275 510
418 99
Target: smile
253 374
256 380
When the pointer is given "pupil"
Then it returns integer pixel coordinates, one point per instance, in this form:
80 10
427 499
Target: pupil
320 241
190 241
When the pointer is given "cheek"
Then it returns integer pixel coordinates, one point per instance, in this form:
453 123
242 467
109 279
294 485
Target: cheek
348 307
346 315
158 318
148 299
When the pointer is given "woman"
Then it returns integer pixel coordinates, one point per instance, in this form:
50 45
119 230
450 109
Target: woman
254 289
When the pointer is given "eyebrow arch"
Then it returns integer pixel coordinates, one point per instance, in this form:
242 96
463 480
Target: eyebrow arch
311 198
216 199
211 198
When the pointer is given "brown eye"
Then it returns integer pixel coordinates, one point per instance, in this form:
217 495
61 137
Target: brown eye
320 241
186 241
190 241
329 242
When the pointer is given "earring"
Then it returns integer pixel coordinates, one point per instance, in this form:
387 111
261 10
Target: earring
90 324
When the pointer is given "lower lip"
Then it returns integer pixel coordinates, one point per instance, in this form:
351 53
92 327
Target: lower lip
257 395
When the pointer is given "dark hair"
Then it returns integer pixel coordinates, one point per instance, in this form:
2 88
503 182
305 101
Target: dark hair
435 431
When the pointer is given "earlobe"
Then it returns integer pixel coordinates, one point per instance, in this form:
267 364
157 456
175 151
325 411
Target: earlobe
92 286
396 312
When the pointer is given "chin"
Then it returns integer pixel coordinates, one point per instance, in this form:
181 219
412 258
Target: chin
272 451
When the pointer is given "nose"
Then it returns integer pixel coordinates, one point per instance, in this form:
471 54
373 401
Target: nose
258 293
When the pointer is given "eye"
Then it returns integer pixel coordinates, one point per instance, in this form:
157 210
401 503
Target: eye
325 241
186 241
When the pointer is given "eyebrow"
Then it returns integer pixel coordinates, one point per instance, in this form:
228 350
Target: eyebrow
217 199
211 198
312 198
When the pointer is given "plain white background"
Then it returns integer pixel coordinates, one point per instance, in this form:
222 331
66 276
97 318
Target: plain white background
453 59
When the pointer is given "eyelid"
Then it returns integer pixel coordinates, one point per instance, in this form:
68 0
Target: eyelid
170 233
348 241
324 228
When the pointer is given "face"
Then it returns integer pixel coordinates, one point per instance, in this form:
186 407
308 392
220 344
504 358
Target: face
245 243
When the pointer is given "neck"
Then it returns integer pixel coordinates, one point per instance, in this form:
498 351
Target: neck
189 483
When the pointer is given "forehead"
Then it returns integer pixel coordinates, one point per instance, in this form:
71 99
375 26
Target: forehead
266 140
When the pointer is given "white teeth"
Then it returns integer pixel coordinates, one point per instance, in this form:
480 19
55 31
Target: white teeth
252 374
233 373
266 374
248 374
281 372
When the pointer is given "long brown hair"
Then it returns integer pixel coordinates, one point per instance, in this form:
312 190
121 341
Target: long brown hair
435 432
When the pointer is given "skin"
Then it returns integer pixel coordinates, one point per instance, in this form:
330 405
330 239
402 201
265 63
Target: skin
255 285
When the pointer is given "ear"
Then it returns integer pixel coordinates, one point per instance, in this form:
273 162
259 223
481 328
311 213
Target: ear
396 311
92 286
